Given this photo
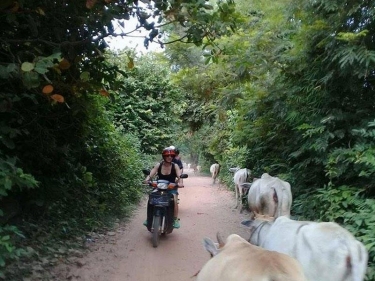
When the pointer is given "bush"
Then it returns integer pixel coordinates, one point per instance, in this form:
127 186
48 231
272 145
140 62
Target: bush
347 206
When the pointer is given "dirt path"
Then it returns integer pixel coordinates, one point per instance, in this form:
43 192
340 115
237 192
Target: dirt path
127 254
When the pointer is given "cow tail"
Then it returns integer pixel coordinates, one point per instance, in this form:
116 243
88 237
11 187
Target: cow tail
196 274
356 261
247 174
276 198
279 197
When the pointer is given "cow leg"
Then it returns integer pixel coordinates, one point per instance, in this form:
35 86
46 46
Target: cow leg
245 193
240 197
236 190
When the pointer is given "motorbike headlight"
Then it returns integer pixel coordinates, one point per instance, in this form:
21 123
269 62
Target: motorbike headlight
162 185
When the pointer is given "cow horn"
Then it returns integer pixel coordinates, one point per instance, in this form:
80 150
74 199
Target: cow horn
254 215
220 240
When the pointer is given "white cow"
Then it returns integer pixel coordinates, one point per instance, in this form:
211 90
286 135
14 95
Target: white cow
238 260
214 170
195 168
240 176
269 196
326 251
233 170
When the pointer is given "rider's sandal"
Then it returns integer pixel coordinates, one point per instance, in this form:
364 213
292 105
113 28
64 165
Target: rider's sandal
176 223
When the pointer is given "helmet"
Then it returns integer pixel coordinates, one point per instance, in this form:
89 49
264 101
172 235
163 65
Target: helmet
177 151
168 152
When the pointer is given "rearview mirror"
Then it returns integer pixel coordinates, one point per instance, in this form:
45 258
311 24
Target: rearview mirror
184 176
146 171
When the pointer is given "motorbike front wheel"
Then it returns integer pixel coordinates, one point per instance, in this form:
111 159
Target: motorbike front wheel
155 232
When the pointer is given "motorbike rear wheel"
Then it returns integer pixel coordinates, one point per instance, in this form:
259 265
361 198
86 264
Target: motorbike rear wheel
155 233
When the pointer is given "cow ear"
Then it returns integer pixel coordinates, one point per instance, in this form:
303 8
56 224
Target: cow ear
247 223
246 184
210 246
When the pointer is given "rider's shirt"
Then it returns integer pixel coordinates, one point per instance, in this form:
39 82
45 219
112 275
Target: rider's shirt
171 177
178 162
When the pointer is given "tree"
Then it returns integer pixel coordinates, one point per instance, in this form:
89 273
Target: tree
147 104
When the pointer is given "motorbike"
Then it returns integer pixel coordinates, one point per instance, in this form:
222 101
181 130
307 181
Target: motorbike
160 208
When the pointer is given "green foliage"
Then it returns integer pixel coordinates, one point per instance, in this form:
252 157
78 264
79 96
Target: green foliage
55 57
97 185
55 132
12 177
347 206
8 251
147 105
299 78
357 160
85 182
292 95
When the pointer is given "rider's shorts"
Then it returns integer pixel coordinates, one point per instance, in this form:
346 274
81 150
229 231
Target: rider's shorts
173 191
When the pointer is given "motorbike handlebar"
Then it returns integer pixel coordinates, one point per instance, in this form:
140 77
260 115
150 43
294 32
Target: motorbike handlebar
154 184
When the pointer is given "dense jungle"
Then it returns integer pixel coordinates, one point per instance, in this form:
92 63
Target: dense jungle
284 87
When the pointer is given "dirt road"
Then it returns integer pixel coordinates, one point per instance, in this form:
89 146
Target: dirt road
127 253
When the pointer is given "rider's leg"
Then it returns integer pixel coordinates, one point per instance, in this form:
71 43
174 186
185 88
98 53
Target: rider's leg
176 223
150 211
175 198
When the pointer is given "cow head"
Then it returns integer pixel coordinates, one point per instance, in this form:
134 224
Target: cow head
212 247
250 224
233 170
256 225
246 185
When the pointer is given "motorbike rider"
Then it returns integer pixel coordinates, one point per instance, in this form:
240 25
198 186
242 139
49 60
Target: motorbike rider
177 158
170 171
178 161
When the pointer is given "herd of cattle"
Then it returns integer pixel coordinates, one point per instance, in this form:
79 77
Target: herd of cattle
279 248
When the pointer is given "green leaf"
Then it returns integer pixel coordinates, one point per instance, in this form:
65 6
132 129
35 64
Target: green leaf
43 66
5 238
4 73
31 79
12 67
7 183
7 142
85 76
2 261
27 66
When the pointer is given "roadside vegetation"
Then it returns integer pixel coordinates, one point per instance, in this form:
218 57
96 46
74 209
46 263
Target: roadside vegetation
280 87
292 94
